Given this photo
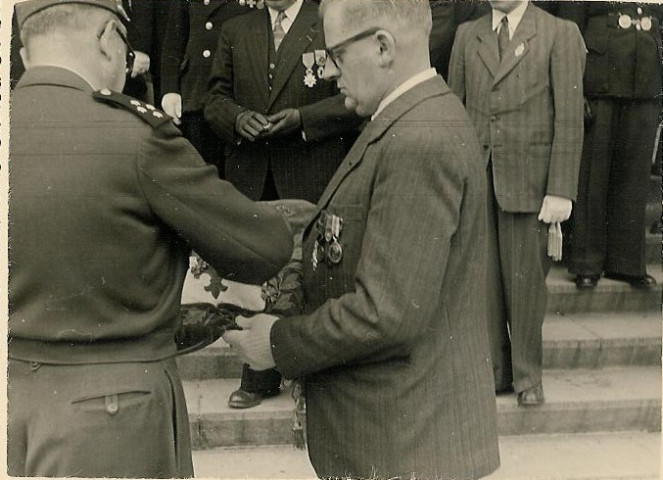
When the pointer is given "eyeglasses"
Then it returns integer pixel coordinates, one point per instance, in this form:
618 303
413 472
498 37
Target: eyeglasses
131 55
334 52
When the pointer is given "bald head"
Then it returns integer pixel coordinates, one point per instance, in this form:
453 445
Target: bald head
80 37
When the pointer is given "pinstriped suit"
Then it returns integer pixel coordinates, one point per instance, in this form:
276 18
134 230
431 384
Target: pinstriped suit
393 348
239 81
528 114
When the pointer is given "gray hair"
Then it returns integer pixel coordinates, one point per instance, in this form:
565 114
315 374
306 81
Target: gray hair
60 18
410 15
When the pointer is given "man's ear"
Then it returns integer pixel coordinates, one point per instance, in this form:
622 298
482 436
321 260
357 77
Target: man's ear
25 58
106 40
387 46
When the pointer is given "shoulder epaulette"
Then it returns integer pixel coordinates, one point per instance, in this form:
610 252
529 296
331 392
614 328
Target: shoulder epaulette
145 111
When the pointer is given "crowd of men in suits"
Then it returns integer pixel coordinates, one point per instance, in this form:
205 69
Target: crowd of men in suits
550 114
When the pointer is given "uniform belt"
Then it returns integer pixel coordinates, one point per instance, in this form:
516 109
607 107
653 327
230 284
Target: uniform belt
624 21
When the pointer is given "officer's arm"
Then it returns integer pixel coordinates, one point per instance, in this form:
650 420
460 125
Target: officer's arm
243 240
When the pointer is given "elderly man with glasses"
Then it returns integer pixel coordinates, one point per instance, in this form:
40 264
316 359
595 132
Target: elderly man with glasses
107 201
393 348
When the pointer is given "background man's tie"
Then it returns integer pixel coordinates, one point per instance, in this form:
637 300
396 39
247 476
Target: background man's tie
279 33
502 36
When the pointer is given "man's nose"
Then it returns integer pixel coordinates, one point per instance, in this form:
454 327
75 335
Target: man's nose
331 71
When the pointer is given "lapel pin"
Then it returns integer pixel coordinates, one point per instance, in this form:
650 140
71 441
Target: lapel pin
520 49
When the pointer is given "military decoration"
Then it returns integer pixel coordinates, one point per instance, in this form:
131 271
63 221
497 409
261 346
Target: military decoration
327 247
308 59
520 49
320 59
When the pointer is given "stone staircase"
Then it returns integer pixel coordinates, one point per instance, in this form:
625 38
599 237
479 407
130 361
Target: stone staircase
602 361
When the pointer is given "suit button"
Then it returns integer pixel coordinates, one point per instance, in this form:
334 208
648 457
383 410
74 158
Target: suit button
493 118
639 11
485 146
272 66
209 25
206 2
206 53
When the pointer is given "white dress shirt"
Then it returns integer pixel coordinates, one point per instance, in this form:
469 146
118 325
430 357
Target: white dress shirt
290 15
404 87
514 17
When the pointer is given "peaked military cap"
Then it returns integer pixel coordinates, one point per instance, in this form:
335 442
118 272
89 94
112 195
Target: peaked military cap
27 8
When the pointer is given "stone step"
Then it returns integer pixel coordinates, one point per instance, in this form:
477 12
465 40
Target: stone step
614 399
588 340
605 456
608 296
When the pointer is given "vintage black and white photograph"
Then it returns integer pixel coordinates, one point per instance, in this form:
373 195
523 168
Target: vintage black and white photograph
336 239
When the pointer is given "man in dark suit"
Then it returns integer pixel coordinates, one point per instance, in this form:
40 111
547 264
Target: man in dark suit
282 122
189 46
393 349
519 72
107 201
623 90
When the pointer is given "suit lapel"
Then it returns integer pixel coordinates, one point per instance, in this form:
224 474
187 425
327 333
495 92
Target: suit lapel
299 37
519 45
215 7
257 42
488 49
375 129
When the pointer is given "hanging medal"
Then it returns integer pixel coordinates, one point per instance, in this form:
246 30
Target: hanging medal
308 59
320 59
335 251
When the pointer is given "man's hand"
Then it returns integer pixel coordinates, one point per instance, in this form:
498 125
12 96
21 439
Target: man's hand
141 64
171 103
252 343
252 125
555 209
285 122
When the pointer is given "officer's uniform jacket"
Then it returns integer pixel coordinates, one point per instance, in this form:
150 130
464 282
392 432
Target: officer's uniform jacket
393 347
241 80
190 43
624 47
527 109
105 208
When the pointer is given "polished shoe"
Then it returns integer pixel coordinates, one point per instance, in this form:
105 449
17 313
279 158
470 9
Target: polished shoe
243 399
586 282
531 397
636 281
502 390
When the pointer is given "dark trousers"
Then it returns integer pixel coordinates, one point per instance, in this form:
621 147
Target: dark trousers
265 380
210 146
609 215
517 293
97 420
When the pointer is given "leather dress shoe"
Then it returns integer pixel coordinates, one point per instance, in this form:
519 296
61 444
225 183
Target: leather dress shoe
586 282
636 281
503 390
243 399
531 397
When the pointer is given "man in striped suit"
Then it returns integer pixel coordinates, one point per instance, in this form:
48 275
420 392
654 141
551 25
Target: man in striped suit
519 71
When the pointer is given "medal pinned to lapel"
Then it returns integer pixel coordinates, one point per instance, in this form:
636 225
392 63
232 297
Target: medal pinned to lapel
320 59
308 59
327 247
520 49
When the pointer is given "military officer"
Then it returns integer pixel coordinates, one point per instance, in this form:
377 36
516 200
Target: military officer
189 46
107 201
622 88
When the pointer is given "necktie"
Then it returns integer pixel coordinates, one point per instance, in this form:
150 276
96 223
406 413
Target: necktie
503 36
279 33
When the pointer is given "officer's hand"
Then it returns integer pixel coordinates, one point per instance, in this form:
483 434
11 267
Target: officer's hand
141 64
588 113
286 121
252 343
252 125
555 209
171 103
